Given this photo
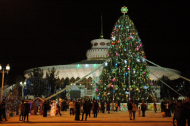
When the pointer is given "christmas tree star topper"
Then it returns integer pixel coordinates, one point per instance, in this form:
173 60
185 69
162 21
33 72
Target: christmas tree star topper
124 9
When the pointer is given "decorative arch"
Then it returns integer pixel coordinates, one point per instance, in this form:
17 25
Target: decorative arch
72 80
62 81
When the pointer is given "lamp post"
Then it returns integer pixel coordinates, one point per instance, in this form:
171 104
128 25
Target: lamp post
3 72
22 84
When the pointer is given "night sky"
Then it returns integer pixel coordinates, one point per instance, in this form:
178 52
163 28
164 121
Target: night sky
35 33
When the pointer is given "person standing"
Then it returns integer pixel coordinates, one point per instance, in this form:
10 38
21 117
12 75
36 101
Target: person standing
108 107
179 114
119 105
134 109
116 106
3 110
22 109
71 107
163 106
155 107
90 104
45 108
85 110
67 104
36 107
143 108
27 110
41 107
74 108
187 109
96 106
103 106
64 105
173 105
130 110
59 109
112 106
53 108
167 109
77 115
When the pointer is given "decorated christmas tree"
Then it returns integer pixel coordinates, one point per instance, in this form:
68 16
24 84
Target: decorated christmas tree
125 75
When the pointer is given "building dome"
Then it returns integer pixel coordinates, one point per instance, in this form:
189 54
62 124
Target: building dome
99 49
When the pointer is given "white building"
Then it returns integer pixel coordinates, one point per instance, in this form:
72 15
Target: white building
95 57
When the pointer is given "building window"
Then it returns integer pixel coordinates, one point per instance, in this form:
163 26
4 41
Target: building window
102 43
95 44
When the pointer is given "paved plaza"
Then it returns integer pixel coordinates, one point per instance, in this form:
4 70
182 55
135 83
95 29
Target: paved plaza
114 118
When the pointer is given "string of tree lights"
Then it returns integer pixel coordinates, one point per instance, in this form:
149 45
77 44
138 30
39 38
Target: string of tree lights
126 72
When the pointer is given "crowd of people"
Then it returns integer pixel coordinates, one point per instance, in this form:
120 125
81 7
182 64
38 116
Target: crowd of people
24 110
167 108
132 108
84 107
87 107
180 111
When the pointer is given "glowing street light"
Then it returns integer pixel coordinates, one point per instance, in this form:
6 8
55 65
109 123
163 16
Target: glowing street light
23 84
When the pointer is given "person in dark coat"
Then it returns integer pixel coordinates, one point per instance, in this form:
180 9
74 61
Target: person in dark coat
179 114
90 106
22 109
96 106
27 110
85 109
119 105
77 115
108 107
163 106
102 106
143 108
187 110
130 110
3 110
58 109
167 110
36 107
173 106
155 107
45 108
64 106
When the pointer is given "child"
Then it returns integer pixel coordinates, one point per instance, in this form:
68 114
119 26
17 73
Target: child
139 111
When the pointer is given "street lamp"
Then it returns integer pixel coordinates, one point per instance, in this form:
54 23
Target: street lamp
22 84
3 72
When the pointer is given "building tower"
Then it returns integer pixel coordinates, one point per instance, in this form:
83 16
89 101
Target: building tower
99 47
